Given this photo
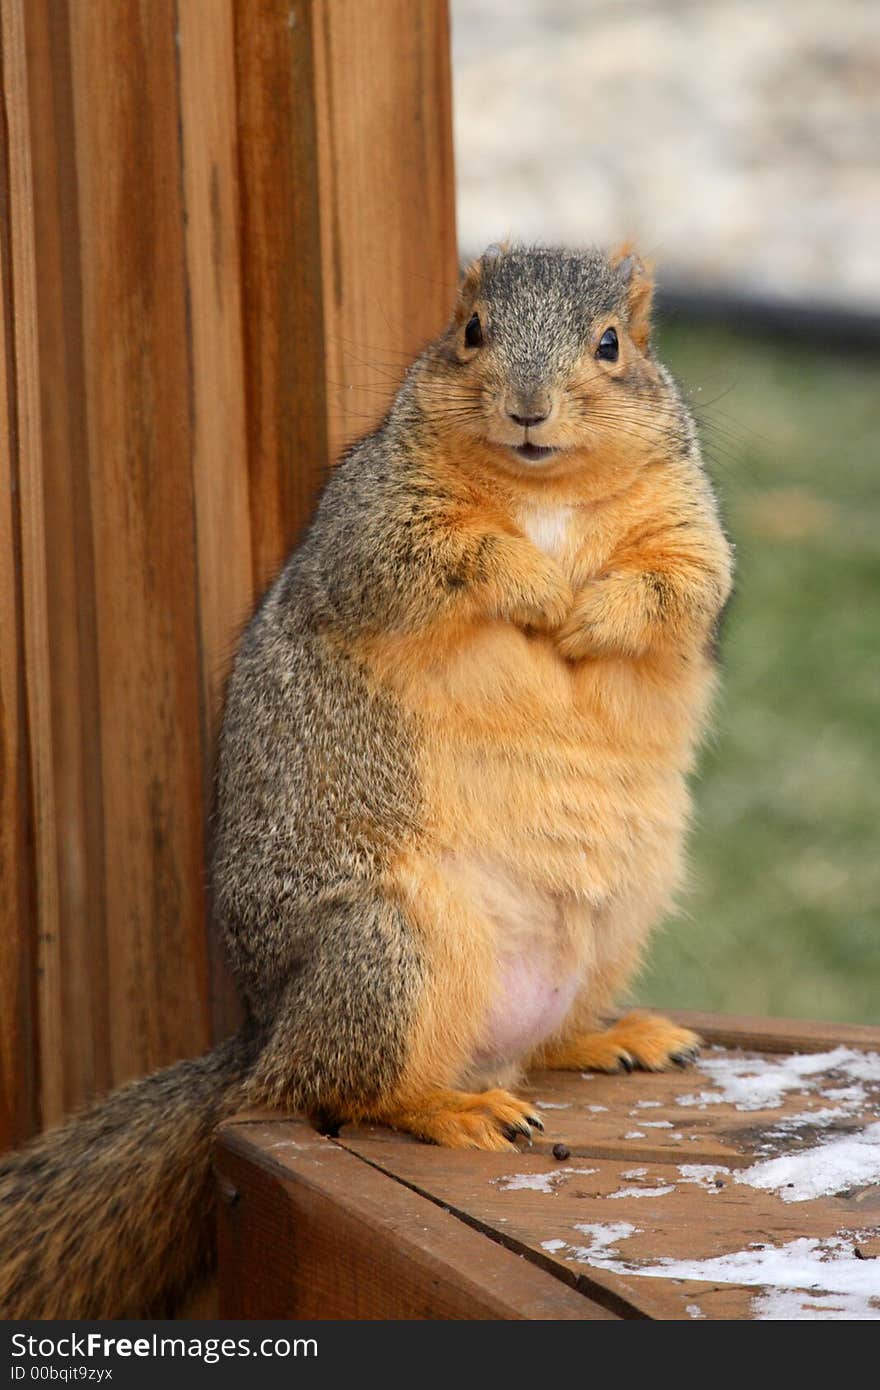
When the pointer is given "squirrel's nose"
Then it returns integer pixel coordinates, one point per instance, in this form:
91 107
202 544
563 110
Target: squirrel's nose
527 420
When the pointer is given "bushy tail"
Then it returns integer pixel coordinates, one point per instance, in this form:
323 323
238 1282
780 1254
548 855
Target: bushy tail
111 1215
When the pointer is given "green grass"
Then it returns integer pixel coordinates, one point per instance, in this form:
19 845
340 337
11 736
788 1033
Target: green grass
783 912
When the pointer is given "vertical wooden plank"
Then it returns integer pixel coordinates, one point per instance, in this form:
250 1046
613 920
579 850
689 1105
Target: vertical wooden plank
18 1100
387 197
75 995
195 159
282 272
139 425
219 445
26 789
348 224
213 258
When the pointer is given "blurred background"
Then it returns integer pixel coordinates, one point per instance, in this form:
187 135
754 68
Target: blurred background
736 141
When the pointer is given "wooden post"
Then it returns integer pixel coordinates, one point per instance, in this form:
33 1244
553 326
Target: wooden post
241 229
25 780
348 230
124 987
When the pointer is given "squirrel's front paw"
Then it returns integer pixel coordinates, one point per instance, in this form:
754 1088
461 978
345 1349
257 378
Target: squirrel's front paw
581 634
604 619
544 600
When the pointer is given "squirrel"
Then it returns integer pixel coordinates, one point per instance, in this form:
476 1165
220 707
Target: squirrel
452 778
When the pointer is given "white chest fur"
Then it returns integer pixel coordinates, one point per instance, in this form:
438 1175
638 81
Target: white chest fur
547 527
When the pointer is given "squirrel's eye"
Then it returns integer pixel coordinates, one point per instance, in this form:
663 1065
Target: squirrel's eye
607 349
473 333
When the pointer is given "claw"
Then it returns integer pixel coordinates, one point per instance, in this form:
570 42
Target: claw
518 1131
535 1122
684 1059
626 1062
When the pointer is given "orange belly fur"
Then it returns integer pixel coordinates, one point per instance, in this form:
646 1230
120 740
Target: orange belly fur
556 805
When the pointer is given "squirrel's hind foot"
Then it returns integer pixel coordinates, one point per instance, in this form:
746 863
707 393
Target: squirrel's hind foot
492 1120
645 1041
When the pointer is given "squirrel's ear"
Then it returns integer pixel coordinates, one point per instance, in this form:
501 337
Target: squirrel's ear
639 283
467 290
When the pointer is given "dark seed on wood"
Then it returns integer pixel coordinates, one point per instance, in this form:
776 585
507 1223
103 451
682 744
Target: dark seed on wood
561 1151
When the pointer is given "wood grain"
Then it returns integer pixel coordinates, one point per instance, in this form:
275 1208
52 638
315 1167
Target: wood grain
308 1231
386 180
217 391
125 149
348 231
75 1051
688 1223
23 277
18 1090
778 1034
281 268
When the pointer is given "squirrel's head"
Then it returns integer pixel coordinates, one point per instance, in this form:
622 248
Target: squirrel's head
547 361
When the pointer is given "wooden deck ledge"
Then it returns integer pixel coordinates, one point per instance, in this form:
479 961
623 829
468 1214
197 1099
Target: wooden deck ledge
674 1187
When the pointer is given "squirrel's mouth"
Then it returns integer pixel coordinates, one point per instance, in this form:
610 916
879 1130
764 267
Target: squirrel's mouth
533 453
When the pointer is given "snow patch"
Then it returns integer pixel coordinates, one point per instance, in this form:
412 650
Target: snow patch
829 1266
820 1118
762 1083
788 1305
700 1100
604 1238
705 1175
538 1182
846 1095
822 1171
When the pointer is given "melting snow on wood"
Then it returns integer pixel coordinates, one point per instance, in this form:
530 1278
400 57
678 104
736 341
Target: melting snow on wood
762 1083
806 1267
831 1167
538 1182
